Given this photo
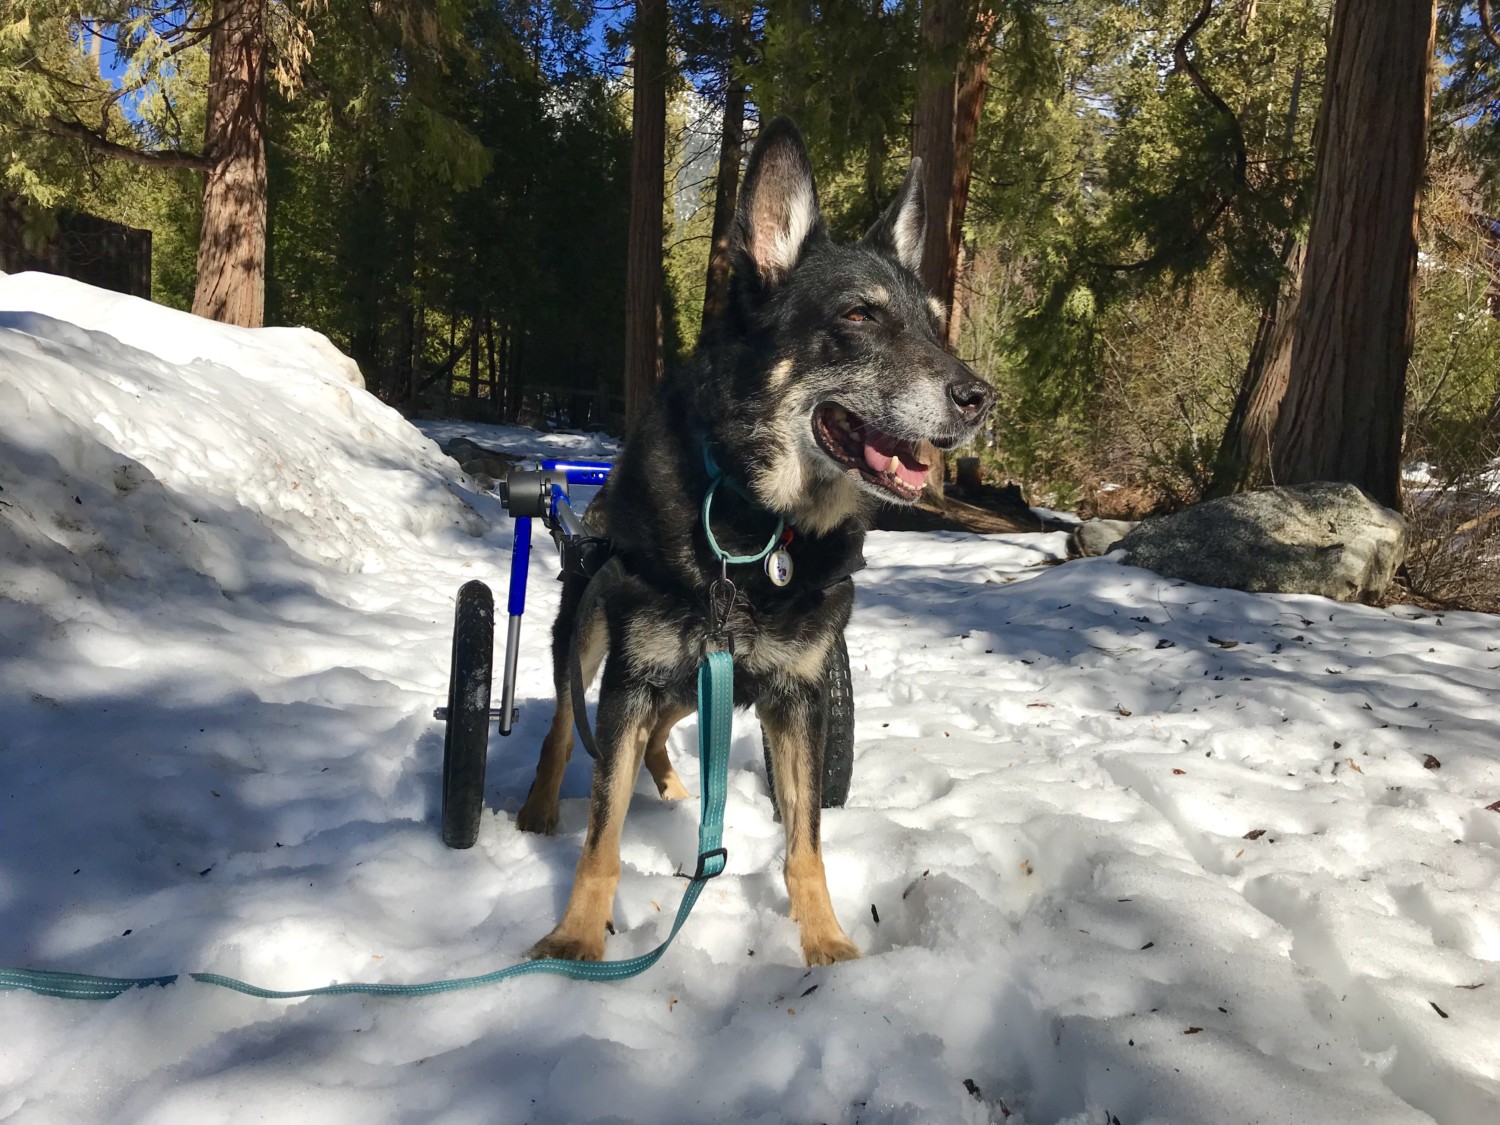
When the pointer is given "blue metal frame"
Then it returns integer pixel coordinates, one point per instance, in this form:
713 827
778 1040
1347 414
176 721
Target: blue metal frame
588 474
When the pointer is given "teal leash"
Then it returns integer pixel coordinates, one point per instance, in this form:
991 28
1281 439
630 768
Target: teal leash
715 715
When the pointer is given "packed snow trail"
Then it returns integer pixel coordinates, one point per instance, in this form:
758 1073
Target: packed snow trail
1117 847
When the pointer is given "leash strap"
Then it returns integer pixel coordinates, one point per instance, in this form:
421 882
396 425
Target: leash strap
715 715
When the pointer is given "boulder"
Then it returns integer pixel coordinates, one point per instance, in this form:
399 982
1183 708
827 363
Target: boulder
478 461
1323 538
1092 538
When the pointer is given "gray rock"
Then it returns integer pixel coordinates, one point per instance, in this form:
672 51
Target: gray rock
1092 538
478 461
1322 538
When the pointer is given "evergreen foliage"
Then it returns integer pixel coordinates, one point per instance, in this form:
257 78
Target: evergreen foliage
449 186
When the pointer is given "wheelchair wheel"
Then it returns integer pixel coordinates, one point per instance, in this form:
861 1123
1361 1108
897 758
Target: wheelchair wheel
466 743
838 734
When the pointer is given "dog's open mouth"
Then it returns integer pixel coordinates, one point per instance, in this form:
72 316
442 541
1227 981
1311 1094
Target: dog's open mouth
889 463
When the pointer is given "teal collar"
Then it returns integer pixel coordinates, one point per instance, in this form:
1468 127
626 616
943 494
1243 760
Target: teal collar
716 477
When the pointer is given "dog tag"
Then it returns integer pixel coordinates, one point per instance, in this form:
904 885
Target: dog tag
779 567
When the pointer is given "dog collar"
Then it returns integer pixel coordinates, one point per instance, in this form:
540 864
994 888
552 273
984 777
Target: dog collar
716 477
711 464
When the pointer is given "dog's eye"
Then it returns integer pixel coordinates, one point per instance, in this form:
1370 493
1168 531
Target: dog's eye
858 314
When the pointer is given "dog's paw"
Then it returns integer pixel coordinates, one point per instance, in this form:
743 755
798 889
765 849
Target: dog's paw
671 788
830 951
566 947
538 818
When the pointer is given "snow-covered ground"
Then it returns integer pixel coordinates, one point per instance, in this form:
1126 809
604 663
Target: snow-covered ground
1118 848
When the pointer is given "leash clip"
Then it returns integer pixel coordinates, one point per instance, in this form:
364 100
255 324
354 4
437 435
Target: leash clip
721 595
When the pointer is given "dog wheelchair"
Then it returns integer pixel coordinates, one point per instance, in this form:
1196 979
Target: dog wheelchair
544 494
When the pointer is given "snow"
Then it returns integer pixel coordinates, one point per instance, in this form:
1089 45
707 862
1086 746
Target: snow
1117 847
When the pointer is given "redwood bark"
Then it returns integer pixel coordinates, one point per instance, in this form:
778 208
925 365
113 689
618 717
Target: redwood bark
1341 418
726 189
933 130
231 285
643 278
973 83
951 73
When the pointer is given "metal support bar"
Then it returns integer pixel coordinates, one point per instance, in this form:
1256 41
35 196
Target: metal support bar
520 565
508 685
441 714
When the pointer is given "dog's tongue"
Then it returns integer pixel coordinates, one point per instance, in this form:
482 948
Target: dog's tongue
881 450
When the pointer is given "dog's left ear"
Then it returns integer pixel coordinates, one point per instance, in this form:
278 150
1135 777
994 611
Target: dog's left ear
902 230
778 209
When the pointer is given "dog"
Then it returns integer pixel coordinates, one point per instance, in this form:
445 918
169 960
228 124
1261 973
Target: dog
810 396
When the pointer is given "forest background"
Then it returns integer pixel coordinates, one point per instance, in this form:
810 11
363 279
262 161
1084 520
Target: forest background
518 210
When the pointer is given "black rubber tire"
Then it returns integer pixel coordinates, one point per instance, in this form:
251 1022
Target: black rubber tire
466 742
838 735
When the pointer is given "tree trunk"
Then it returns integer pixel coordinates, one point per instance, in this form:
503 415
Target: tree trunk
231 284
952 67
643 279
474 356
933 133
726 190
1341 419
1244 459
973 83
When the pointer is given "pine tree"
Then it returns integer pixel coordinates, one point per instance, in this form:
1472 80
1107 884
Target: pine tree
52 91
1341 419
231 270
731 152
643 278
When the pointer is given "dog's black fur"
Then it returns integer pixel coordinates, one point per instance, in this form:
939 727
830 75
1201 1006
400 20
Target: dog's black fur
811 324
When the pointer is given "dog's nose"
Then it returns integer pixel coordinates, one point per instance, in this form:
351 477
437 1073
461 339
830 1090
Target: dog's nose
972 397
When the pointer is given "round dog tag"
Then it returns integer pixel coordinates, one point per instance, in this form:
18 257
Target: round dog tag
779 567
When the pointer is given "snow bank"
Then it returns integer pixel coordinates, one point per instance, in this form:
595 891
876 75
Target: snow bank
1117 847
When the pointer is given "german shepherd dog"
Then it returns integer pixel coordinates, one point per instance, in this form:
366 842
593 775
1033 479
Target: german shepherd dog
810 397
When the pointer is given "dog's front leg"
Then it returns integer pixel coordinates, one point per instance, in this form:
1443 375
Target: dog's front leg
668 783
626 721
539 812
795 723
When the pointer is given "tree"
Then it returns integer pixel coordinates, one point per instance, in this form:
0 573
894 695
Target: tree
503 287
53 92
643 272
726 185
153 41
970 88
1244 456
1341 419
232 244
951 83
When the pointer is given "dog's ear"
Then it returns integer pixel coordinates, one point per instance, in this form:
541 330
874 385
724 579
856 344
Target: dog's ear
778 208
902 230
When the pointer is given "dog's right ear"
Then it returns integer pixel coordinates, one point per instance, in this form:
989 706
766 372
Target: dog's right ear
778 208
901 231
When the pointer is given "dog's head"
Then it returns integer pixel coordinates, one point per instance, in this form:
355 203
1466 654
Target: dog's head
842 367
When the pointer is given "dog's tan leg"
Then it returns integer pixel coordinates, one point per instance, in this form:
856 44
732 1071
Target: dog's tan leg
792 727
580 934
539 813
668 784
